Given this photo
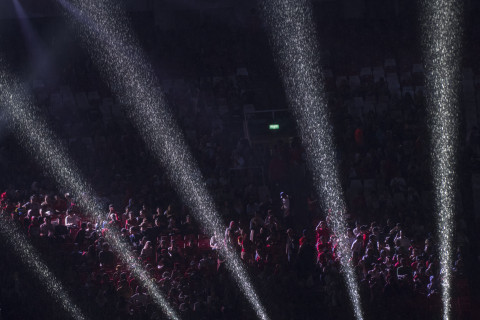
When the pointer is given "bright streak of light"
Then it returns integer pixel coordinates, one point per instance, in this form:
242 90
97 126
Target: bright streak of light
37 50
41 142
442 43
291 29
30 257
119 56
21 14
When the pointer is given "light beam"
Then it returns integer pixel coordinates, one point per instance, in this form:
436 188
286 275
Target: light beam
119 56
29 256
37 51
291 28
442 26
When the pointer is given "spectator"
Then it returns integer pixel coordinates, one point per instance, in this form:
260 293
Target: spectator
357 248
147 252
81 235
291 247
106 256
139 298
47 229
71 220
34 228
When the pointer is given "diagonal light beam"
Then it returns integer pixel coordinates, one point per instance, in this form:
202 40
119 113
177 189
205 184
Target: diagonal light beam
442 26
119 56
38 55
291 28
30 257
49 152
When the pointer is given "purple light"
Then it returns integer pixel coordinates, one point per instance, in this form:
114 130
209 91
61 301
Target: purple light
40 60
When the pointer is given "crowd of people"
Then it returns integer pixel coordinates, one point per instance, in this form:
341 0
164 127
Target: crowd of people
397 267
273 217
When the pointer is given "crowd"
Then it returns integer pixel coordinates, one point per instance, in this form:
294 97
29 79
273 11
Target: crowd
276 223
397 267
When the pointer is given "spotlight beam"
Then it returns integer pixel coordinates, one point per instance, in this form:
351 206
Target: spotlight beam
36 48
29 256
48 150
119 56
442 25
291 29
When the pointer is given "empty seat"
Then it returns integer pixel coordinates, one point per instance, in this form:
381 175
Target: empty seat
417 68
82 101
93 96
356 184
393 83
366 72
242 72
340 81
390 65
368 106
408 90
354 81
378 73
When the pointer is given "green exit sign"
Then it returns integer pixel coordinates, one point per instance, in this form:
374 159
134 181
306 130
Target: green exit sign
274 126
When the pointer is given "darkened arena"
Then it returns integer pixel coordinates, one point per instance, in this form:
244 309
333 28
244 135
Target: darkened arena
239 159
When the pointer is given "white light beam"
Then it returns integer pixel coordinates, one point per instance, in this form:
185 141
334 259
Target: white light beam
30 257
291 28
442 34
